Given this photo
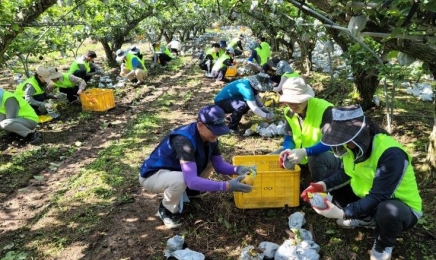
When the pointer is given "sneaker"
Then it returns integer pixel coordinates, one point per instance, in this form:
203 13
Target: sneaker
171 220
34 137
353 223
380 253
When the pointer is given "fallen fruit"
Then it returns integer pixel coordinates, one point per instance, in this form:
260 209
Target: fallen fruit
248 180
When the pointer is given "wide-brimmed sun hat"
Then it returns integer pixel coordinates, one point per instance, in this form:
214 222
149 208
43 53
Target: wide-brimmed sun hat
214 118
261 81
347 123
48 74
295 90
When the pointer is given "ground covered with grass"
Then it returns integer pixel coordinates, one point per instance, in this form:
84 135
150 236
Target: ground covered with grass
77 196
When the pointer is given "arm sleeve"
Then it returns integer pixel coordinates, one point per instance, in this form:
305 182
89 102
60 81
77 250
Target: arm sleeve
317 149
221 166
12 108
240 45
194 182
280 85
255 108
288 143
29 91
78 82
390 171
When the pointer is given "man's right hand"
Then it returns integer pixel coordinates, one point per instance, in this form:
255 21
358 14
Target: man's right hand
313 187
236 185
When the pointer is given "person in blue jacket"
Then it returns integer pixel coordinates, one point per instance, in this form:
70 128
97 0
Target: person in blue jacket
240 96
183 161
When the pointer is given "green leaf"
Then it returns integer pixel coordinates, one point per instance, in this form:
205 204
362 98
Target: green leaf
15 27
392 54
227 224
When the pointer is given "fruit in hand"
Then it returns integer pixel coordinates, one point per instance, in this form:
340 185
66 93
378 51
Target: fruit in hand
248 180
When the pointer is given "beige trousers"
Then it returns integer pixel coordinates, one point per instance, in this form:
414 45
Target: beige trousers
171 184
139 74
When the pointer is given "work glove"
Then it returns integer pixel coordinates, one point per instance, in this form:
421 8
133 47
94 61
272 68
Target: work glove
296 155
264 109
79 91
242 170
269 115
313 187
283 155
236 185
332 211
48 106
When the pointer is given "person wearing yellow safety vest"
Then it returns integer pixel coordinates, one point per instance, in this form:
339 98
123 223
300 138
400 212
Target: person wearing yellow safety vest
258 57
18 117
305 117
84 66
265 46
161 54
286 72
223 48
132 67
377 183
69 84
33 90
236 44
220 67
208 58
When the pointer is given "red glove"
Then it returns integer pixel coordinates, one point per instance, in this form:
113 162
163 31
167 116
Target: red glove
313 187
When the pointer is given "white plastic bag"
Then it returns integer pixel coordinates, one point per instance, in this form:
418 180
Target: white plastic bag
173 244
187 254
269 249
250 253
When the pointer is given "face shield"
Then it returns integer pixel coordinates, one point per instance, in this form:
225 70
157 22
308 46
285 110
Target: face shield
340 151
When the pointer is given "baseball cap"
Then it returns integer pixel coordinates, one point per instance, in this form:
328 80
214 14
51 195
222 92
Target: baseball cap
214 118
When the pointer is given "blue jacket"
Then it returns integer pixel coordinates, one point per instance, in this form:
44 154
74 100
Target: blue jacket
164 156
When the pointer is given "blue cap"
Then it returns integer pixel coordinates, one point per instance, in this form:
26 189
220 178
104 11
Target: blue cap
214 118
223 44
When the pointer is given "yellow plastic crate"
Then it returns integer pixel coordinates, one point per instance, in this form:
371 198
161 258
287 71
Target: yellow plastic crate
231 71
96 99
273 186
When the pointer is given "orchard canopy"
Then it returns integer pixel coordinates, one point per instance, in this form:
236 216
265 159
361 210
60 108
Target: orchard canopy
370 33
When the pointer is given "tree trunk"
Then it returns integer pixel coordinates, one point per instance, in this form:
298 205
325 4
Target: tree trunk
366 84
117 43
431 153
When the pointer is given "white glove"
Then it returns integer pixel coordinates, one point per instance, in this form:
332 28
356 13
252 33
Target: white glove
269 115
79 91
296 155
48 106
332 211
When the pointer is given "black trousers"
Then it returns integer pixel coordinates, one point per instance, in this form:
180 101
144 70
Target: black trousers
82 74
71 92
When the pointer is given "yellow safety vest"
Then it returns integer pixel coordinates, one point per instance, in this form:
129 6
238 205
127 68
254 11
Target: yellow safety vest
25 111
32 81
310 132
362 174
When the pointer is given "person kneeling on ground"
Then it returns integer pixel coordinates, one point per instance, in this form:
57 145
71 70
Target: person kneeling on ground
161 54
183 161
175 46
208 59
240 96
84 66
33 90
219 69
305 117
17 116
69 84
376 187
132 67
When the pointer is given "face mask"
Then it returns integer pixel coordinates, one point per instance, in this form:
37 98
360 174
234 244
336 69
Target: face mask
339 151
